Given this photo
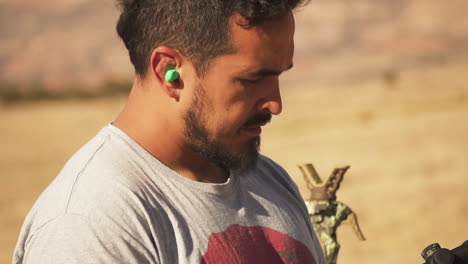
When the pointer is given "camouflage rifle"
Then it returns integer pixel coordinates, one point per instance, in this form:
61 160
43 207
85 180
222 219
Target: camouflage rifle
326 213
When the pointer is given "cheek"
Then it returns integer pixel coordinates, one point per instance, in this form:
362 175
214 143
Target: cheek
227 120
231 113
229 105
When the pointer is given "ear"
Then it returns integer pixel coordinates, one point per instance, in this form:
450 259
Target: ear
163 59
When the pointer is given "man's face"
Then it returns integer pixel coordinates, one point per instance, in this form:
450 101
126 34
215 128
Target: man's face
239 93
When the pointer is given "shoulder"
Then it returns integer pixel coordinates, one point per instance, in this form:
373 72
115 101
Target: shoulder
97 183
273 172
95 198
265 163
273 169
74 238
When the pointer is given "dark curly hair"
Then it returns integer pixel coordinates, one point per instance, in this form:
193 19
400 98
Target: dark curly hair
197 28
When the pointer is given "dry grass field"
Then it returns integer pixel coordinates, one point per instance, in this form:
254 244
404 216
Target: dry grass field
406 142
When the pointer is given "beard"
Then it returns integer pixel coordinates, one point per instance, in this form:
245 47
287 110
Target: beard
214 149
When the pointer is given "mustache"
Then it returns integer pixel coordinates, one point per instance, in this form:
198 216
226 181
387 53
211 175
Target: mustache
258 119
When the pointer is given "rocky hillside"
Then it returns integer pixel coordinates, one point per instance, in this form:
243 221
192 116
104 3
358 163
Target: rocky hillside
60 43
364 38
72 43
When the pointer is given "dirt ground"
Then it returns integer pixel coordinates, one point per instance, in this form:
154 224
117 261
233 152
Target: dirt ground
406 141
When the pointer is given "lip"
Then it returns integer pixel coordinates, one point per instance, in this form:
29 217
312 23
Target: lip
254 131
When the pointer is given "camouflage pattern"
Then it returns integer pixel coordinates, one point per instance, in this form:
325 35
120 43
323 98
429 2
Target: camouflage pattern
327 214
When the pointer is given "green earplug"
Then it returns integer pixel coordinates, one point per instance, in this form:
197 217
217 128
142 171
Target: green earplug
172 75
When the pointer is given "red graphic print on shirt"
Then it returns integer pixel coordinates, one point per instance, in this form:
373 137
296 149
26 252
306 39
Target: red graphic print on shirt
256 244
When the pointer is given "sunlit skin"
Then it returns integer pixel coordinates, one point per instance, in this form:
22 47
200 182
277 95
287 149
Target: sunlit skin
236 87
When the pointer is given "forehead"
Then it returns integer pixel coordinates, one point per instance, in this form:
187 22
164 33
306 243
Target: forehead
269 45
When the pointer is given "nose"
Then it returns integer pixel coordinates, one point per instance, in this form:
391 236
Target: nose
271 102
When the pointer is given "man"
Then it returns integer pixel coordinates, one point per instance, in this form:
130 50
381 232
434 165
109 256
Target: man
177 177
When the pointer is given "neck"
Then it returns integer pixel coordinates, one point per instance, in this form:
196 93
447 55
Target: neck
146 120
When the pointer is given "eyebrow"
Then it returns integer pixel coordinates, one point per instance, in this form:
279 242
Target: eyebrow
268 72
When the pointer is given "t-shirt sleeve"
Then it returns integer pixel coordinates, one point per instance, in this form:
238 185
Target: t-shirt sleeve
72 238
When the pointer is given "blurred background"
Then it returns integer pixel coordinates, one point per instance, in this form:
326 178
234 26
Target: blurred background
378 85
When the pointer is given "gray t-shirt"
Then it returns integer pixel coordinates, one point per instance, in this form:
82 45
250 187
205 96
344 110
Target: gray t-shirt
114 202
